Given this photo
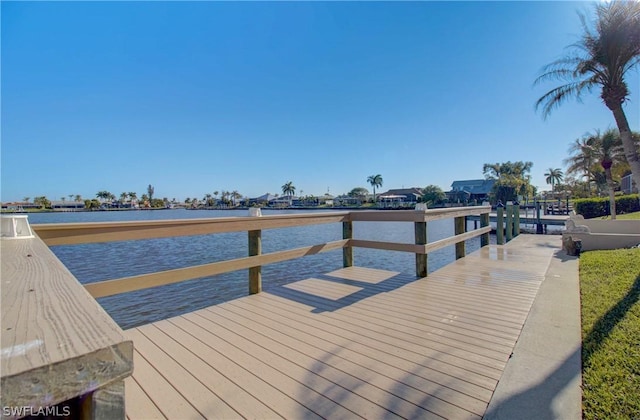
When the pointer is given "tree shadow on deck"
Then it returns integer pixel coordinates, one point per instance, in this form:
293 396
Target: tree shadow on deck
366 289
537 401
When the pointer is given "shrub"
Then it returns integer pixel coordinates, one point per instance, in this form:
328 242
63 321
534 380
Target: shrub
627 204
599 206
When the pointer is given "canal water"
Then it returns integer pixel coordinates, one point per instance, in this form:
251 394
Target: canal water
104 261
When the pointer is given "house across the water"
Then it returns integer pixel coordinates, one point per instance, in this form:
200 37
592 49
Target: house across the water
470 190
403 197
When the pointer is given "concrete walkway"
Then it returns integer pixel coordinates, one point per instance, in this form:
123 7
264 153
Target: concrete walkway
542 380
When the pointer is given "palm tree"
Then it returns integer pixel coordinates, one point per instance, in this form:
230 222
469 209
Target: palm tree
554 176
288 189
607 149
132 197
375 181
601 58
235 195
581 158
103 195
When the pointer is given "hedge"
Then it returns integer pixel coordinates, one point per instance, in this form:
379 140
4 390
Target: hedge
599 207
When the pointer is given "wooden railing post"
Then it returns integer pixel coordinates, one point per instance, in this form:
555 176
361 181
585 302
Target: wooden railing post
516 217
255 273
347 251
421 239
460 228
509 234
484 222
500 225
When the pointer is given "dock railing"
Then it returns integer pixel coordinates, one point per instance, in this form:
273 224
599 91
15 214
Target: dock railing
62 353
82 233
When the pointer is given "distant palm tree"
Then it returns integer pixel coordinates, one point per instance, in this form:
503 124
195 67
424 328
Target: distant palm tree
132 196
375 181
235 195
78 197
26 199
607 148
581 159
103 195
554 176
601 58
288 189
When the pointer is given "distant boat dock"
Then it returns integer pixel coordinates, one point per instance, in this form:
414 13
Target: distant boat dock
553 220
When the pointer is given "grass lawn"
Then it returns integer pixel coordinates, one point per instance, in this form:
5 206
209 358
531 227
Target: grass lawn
628 216
610 299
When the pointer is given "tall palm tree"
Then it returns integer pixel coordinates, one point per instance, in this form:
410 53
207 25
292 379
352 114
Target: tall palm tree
375 181
554 176
288 189
601 58
607 149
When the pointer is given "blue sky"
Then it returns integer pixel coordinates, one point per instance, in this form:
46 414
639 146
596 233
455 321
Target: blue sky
194 97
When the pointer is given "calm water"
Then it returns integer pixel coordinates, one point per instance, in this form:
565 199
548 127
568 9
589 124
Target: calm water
103 261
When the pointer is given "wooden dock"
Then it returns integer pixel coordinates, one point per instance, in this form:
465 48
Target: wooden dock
353 343
551 220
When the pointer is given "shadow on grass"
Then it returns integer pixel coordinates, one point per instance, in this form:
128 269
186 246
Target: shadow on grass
537 401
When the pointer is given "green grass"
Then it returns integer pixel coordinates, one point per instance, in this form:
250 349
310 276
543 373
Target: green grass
610 295
628 216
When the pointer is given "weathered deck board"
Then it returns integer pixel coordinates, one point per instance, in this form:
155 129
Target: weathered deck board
57 342
354 343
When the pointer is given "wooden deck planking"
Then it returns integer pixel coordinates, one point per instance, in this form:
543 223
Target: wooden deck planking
390 337
347 355
353 343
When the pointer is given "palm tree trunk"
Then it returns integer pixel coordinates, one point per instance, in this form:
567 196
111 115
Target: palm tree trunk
630 151
612 194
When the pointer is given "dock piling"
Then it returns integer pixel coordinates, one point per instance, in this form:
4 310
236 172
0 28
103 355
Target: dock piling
500 225
347 251
255 273
460 228
421 239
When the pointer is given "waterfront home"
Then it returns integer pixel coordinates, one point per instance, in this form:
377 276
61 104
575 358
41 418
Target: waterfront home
61 205
470 190
19 206
403 197
627 186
